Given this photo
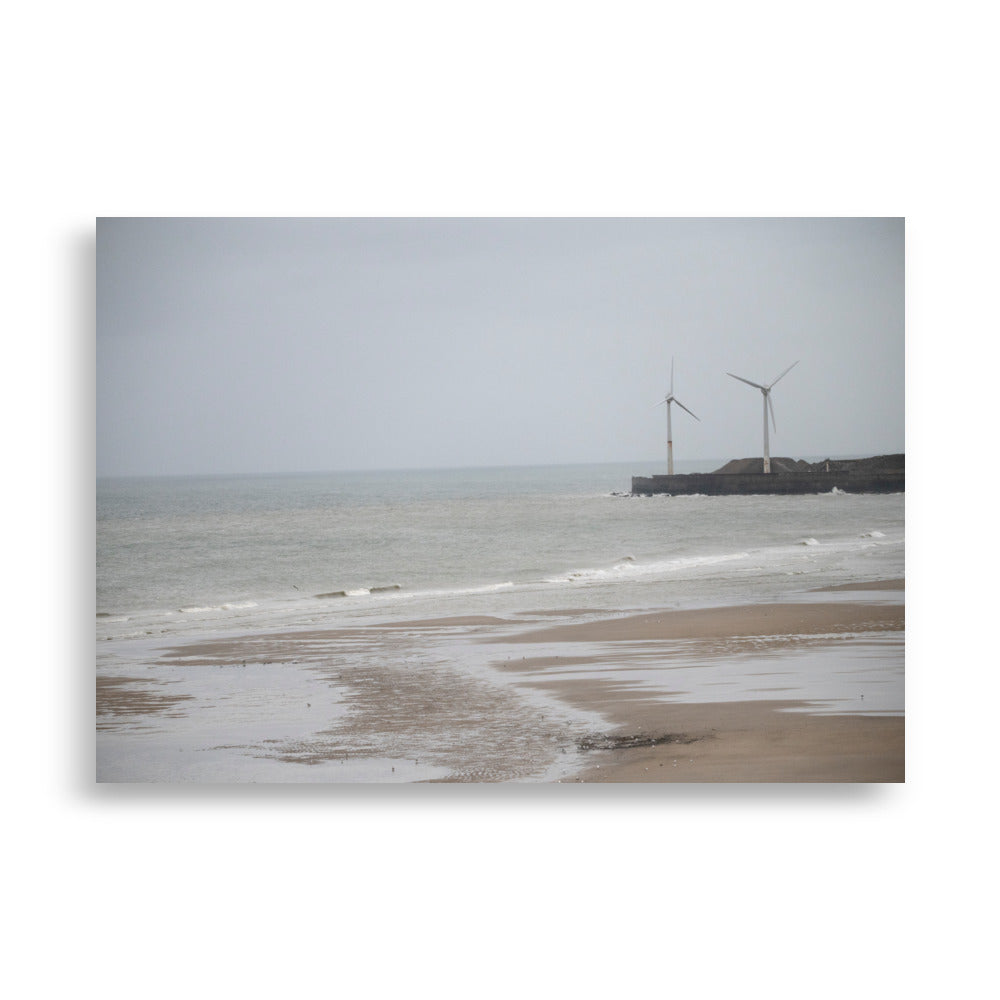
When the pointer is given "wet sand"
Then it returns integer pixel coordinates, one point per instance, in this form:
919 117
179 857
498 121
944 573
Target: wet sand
133 696
748 741
775 620
744 741
410 694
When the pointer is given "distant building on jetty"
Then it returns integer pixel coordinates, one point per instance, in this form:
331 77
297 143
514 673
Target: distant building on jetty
746 476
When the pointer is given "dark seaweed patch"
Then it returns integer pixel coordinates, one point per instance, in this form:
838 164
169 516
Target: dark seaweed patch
602 741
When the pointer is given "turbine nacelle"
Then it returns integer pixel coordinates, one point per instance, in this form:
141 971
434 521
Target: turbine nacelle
673 399
766 392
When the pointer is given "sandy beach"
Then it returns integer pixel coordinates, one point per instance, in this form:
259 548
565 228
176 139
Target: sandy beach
742 741
723 694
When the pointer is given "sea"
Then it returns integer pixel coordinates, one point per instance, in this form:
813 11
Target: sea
188 559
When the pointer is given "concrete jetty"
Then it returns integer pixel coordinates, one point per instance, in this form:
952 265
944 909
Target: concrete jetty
745 477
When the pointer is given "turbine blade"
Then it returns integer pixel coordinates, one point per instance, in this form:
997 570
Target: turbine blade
748 382
783 374
671 376
770 406
686 410
660 403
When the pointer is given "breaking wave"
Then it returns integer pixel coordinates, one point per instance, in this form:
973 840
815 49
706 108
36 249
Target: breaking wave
197 609
359 591
628 568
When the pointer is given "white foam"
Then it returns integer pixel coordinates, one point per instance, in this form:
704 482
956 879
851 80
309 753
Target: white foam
488 589
808 541
631 569
199 609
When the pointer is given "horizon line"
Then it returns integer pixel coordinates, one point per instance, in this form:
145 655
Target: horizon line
460 468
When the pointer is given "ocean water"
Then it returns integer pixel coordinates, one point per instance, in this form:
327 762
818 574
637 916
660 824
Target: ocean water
187 556
200 581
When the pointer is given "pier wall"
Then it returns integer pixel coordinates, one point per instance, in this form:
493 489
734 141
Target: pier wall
745 484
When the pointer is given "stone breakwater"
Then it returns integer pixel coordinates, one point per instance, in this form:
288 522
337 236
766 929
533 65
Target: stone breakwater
745 477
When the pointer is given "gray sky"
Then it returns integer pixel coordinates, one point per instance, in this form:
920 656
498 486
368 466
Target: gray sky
262 345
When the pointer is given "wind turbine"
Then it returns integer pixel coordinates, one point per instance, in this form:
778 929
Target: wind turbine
668 399
766 390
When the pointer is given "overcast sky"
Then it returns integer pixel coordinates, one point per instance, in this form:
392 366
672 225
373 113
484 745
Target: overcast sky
268 345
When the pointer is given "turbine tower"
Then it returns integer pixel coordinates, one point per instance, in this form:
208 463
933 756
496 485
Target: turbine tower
668 399
766 390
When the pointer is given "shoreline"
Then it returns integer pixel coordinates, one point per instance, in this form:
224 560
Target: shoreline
741 620
660 740
672 695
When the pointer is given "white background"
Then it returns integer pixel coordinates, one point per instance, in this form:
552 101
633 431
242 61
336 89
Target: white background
530 109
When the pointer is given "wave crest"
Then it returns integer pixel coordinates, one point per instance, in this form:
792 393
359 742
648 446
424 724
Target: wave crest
359 591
